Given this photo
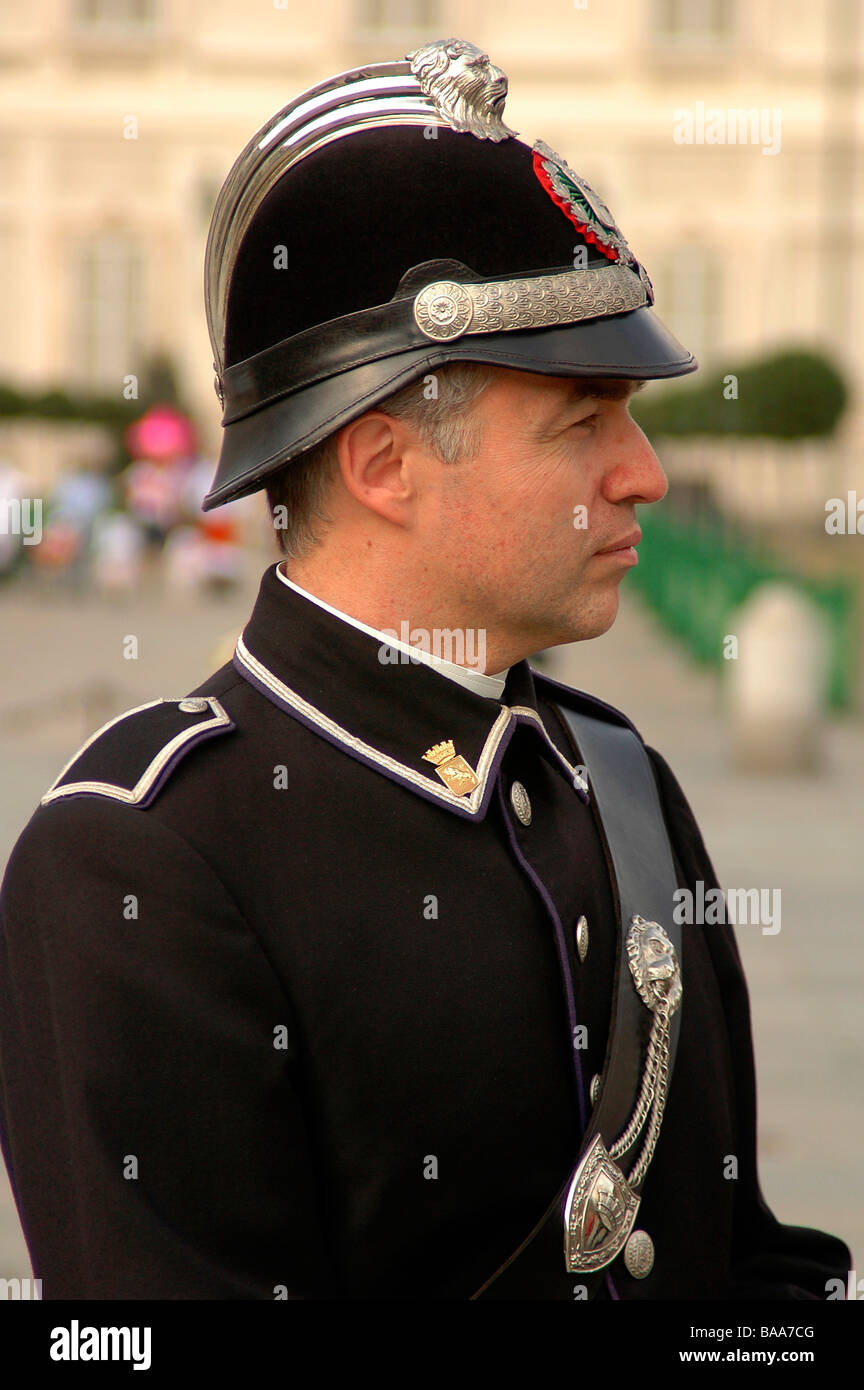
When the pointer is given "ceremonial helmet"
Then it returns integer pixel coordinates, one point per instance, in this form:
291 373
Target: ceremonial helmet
387 222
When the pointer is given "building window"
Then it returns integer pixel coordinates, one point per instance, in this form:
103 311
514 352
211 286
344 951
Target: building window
689 298
114 15
693 21
403 16
107 311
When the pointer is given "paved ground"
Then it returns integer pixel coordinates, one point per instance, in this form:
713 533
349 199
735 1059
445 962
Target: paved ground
64 673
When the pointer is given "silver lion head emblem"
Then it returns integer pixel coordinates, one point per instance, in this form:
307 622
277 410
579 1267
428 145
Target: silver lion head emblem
466 89
654 966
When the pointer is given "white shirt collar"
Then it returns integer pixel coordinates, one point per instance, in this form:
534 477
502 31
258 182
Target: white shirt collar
477 681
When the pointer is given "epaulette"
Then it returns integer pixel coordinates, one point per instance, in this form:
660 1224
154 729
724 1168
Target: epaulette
579 700
130 757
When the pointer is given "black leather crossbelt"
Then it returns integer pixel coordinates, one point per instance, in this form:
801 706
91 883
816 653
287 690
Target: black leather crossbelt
588 1222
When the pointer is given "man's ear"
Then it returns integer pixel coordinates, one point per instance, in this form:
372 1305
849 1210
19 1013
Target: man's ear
377 459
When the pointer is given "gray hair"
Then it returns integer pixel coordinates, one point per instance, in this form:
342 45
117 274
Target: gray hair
436 405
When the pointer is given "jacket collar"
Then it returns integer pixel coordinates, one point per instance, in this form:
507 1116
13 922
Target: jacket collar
329 676
479 682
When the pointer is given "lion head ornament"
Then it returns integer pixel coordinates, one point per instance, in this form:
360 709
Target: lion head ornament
467 90
654 965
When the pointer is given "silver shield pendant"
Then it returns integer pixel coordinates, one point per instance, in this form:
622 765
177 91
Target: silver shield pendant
599 1212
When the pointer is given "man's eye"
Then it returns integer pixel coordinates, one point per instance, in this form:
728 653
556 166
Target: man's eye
589 420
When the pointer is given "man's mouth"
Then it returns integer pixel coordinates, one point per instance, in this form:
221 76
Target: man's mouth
626 543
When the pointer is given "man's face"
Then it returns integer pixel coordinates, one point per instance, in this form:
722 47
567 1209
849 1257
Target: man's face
518 538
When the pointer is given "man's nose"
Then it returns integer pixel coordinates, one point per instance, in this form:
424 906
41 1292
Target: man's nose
636 474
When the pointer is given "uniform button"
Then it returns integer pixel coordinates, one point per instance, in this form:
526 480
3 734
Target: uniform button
520 802
594 1088
639 1254
582 937
194 706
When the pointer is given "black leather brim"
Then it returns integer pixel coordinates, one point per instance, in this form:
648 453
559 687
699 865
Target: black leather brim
634 346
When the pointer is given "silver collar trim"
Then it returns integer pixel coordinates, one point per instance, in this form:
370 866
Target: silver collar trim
473 801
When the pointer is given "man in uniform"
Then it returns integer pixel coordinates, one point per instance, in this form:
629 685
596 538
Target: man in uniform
355 974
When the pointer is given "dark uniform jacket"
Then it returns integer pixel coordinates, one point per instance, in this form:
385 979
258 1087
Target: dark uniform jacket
281 1015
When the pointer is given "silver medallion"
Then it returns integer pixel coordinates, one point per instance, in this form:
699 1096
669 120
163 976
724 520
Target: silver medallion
467 91
639 1254
443 310
585 204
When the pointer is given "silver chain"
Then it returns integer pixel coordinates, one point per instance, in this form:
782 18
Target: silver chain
656 1061
638 1172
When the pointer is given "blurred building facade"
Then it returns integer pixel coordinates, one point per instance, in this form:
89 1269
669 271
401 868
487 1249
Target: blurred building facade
119 119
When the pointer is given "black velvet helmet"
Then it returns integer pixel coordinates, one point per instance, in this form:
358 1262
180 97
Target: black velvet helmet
387 222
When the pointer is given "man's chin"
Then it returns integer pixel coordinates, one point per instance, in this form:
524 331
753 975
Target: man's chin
597 621
581 631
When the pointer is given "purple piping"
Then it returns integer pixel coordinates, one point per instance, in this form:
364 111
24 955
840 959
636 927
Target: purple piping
181 752
562 953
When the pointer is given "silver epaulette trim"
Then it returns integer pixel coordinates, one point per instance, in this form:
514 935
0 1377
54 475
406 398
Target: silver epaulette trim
151 773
